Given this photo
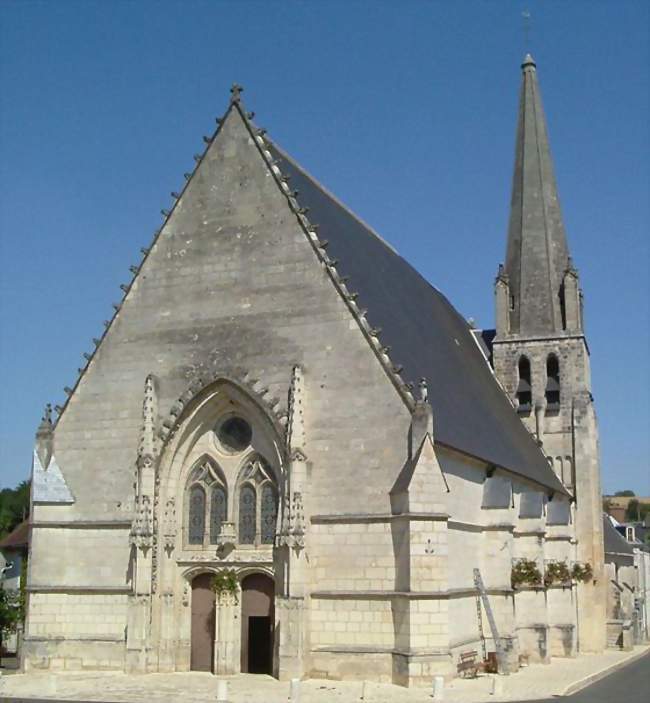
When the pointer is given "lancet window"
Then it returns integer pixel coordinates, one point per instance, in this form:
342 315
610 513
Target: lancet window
524 387
206 505
258 503
552 384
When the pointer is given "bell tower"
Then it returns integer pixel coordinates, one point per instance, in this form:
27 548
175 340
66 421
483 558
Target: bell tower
540 352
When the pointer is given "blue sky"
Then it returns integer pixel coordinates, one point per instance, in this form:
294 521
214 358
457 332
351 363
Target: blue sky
406 110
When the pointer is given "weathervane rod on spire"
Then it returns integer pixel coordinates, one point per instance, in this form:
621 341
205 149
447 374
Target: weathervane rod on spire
525 17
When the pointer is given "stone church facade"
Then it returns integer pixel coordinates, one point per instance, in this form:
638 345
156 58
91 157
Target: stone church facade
286 437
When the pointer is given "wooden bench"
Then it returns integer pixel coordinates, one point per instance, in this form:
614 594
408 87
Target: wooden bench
468 664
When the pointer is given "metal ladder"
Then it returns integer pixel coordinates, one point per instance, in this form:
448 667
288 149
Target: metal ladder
498 645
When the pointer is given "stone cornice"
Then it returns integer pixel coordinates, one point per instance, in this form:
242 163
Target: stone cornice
369 649
348 518
411 595
77 638
82 524
475 527
93 590
530 533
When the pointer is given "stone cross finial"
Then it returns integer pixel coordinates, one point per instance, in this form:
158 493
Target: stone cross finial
47 415
235 92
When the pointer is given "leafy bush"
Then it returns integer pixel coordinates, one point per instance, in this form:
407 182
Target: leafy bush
14 507
557 572
582 572
225 582
525 572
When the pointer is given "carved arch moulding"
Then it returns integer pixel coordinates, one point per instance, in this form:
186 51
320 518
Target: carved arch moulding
200 385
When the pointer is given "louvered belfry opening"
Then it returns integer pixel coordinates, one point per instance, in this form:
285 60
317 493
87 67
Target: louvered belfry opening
524 388
552 384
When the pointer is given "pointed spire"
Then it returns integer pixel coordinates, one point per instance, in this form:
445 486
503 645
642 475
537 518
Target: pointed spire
537 252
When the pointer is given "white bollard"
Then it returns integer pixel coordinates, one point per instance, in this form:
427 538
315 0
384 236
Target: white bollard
496 689
364 693
294 691
438 688
222 691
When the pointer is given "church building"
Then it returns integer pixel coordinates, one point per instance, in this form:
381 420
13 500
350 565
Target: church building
289 454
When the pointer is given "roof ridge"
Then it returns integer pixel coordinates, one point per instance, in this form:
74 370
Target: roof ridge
361 221
370 333
333 197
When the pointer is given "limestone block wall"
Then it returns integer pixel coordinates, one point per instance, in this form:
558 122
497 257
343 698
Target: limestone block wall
562 620
344 622
79 555
75 630
352 556
531 616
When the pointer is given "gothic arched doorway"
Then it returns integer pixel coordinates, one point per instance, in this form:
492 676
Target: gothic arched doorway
203 623
257 597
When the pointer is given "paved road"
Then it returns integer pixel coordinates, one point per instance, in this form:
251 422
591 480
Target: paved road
631 684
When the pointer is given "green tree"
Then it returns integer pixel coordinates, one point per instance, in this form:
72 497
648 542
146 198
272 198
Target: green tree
12 607
632 513
625 494
14 507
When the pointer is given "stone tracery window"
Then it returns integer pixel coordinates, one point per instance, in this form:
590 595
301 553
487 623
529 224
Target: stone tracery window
196 526
247 514
218 511
258 503
206 504
269 513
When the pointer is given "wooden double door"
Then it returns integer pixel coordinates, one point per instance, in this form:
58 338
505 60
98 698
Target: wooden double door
257 624
203 623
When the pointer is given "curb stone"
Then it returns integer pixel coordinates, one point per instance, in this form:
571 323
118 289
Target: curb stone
593 678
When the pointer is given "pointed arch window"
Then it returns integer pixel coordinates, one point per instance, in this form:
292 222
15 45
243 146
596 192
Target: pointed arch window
524 387
552 392
196 527
247 514
258 503
206 504
269 514
218 509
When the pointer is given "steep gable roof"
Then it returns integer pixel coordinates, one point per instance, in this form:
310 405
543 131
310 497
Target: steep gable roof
615 543
426 335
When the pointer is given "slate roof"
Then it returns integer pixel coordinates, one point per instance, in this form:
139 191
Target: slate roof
537 254
615 543
427 336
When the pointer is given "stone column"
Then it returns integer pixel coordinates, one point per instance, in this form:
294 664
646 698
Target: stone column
291 565
419 524
592 596
142 538
227 635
